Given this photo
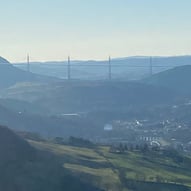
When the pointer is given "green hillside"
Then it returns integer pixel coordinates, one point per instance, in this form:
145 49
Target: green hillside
160 171
22 168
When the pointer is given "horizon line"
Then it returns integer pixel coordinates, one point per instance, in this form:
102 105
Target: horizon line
98 60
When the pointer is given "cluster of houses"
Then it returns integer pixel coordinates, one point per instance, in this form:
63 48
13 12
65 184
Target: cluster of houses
157 134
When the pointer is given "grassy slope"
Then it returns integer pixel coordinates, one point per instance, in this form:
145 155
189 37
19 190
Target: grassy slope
84 162
119 172
24 168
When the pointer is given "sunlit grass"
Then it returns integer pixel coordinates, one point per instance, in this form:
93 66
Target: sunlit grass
134 165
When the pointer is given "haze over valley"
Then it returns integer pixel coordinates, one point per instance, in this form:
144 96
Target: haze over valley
153 110
95 95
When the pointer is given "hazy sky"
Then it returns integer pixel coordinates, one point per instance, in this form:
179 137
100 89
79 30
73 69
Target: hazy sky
93 29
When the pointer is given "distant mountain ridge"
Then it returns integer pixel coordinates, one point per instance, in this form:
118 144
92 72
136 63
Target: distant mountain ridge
129 68
3 60
10 75
178 79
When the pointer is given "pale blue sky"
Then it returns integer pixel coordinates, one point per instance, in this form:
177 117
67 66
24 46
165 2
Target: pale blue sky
93 29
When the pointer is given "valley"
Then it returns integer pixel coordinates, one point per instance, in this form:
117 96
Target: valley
118 135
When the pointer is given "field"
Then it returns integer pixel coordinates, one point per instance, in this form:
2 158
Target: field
122 172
